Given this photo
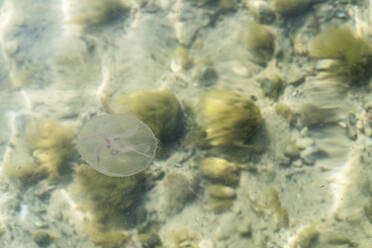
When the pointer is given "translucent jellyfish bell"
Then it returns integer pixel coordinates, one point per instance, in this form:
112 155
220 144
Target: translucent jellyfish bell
117 145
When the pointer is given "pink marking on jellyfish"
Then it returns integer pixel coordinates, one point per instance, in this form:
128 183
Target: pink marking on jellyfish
108 143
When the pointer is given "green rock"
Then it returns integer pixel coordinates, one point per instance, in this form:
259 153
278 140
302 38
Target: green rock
351 52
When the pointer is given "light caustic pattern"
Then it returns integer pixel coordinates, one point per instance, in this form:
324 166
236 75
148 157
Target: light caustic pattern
117 145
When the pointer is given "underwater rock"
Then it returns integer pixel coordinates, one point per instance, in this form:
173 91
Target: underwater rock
283 160
297 163
271 86
300 43
365 121
244 227
221 192
368 210
220 170
324 64
227 118
280 213
219 206
290 7
291 149
285 111
226 5
304 142
51 145
204 73
104 237
206 243
311 154
43 237
180 189
351 52
184 237
244 68
47 134
305 237
27 174
261 10
117 145
160 110
312 114
107 197
150 241
182 59
259 40
94 12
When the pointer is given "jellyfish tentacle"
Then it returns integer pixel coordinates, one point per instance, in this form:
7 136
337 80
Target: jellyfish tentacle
98 153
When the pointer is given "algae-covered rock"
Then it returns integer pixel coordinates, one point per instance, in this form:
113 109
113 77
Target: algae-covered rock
219 206
182 59
281 217
46 134
160 110
225 5
220 170
368 210
95 12
259 40
306 237
43 237
30 174
291 150
228 118
107 197
221 192
204 73
351 52
50 143
290 7
285 111
150 240
261 10
185 237
313 114
104 237
271 86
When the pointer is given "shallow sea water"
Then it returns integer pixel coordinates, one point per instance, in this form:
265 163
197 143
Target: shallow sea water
256 132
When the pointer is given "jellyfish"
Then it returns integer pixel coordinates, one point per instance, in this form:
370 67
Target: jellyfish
117 145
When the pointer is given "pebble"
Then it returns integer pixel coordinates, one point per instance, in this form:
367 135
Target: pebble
311 154
352 132
244 228
221 192
240 69
341 15
291 150
304 132
297 163
206 243
302 143
283 160
297 79
11 47
261 10
359 124
309 159
368 131
324 64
